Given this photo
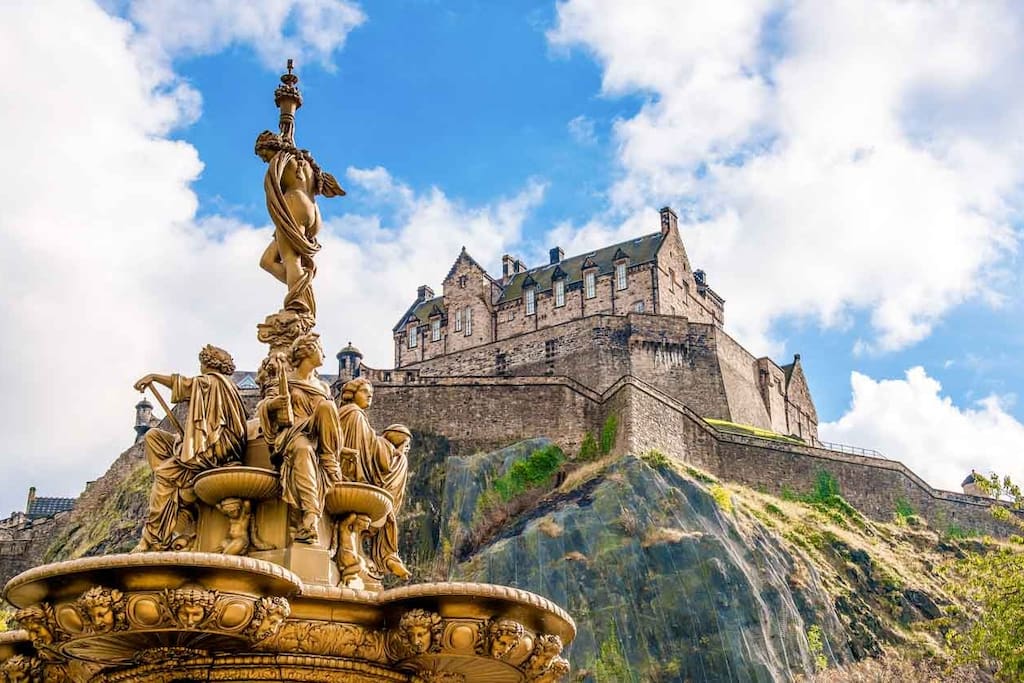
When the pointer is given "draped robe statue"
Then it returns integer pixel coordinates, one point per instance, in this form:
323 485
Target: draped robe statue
212 436
300 424
379 462
292 181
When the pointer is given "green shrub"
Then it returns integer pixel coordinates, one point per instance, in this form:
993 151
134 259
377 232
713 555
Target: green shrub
588 449
608 433
816 645
655 458
956 531
529 472
722 497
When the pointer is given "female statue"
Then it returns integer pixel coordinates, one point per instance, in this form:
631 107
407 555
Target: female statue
300 424
382 461
291 184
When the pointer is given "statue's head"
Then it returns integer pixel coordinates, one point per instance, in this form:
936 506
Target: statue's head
269 615
214 359
420 631
35 620
99 604
307 347
399 436
505 636
269 143
358 391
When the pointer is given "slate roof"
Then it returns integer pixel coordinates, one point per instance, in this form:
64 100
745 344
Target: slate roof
48 507
422 310
639 250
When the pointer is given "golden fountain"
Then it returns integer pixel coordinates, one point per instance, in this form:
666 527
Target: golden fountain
267 540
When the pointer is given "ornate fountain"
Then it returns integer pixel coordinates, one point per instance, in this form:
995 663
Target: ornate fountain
268 540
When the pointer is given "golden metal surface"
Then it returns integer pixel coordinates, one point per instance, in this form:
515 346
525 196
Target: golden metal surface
363 499
249 483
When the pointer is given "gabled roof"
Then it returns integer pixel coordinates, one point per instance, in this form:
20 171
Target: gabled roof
640 250
421 312
464 256
48 507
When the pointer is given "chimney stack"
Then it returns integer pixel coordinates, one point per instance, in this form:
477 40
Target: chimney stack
507 266
557 255
669 220
424 292
31 499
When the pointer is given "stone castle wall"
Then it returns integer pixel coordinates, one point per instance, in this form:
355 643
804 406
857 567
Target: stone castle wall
493 412
696 363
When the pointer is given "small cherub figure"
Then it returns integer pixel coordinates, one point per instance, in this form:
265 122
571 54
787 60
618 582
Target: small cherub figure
239 514
350 558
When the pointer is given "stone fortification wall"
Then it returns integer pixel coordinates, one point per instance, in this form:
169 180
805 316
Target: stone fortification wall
874 485
696 363
486 413
491 412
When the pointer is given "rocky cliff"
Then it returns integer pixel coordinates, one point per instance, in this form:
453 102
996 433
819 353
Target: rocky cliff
670 574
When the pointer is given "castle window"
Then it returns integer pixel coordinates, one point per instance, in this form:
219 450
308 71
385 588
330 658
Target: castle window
549 349
531 301
559 292
501 363
435 330
638 307
387 376
412 337
511 314
590 283
469 321
672 279
620 276
458 321
463 279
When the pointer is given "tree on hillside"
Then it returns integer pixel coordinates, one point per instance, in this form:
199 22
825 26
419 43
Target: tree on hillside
994 582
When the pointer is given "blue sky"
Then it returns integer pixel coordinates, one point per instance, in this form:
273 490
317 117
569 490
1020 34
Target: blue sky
848 175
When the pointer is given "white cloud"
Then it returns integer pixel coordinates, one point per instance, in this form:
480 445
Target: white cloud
107 273
582 130
829 157
911 421
275 29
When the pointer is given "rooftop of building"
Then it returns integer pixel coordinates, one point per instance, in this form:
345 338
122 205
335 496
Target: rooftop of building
48 507
639 250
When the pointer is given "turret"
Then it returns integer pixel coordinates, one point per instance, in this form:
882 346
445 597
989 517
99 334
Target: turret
349 361
143 418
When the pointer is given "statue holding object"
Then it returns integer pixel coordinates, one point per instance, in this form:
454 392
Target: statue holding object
213 436
292 181
382 461
300 423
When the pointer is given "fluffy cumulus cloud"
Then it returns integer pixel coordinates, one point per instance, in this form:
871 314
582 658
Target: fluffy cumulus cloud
275 29
827 158
911 421
107 273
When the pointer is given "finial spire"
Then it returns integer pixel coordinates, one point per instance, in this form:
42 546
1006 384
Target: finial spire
288 99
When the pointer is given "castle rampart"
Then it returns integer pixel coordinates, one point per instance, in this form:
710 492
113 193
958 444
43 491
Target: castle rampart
497 411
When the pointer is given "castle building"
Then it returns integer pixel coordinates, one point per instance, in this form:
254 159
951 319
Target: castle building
634 308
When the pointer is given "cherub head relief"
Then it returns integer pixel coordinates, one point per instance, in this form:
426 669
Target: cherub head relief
419 631
103 608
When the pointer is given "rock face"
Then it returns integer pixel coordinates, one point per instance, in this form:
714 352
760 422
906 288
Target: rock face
663 583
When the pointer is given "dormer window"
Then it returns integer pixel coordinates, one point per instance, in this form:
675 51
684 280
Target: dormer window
620 275
412 336
531 301
590 284
559 293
